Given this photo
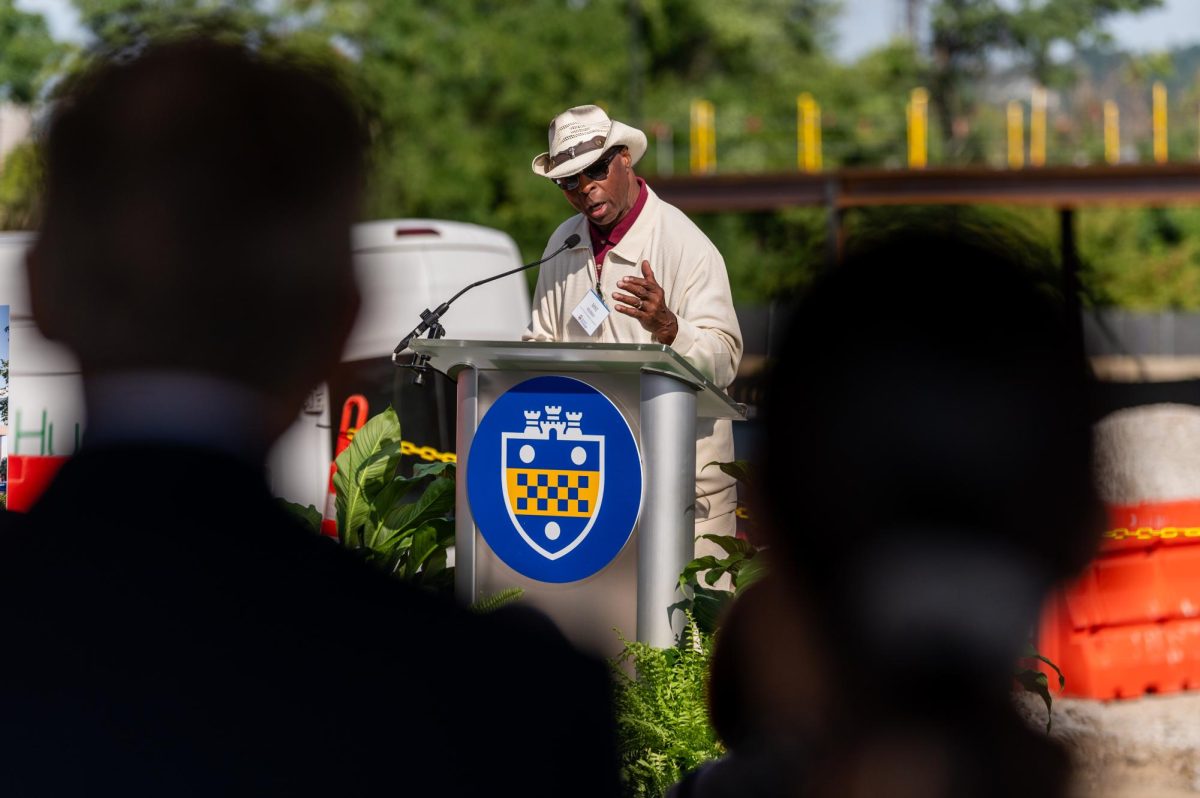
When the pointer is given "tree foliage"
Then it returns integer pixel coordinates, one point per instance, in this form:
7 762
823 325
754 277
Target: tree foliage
27 53
20 187
968 34
1035 27
458 96
117 23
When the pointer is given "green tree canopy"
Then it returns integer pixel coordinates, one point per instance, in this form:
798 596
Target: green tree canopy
27 53
458 94
114 23
966 35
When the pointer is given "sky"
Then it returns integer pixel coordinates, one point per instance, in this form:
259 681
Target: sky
866 24
60 17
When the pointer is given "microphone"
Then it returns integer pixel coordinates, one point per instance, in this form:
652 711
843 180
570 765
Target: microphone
431 318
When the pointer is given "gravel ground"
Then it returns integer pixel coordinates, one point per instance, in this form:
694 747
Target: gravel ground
1140 748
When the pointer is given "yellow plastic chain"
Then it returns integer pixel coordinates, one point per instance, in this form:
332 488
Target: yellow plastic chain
424 452
1149 533
427 453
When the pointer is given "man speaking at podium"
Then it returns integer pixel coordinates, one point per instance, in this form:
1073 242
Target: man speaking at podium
642 272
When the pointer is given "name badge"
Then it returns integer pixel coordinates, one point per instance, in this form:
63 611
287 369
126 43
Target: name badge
591 312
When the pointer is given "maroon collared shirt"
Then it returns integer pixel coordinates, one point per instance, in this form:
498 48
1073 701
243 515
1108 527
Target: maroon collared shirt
601 242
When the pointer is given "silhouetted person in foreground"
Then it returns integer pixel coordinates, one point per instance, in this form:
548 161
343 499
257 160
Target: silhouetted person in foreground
928 480
766 686
168 630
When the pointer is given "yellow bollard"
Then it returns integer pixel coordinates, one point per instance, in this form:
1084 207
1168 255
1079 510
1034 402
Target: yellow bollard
917 113
817 146
808 133
703 156
1112 132
1160 122
1037 128
1016 135
696 141
711 141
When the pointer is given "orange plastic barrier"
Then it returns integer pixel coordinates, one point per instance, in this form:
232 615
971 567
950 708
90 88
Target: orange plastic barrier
1160 584
1122 661
28 477
1131 623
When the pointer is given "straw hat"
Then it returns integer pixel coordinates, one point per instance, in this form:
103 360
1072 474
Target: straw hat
579 136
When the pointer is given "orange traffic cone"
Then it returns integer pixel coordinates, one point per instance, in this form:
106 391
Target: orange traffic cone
356 405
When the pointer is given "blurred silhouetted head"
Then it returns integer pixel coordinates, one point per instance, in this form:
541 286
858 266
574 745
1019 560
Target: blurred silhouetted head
197 217
928 478
765 677
928 445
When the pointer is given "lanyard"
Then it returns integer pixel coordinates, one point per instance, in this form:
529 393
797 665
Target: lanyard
599 273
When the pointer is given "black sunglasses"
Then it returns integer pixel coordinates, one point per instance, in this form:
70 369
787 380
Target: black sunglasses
597 171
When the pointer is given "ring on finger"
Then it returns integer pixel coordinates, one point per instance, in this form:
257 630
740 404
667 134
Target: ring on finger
640 303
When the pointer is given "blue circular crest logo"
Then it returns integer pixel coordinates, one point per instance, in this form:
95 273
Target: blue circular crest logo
554 479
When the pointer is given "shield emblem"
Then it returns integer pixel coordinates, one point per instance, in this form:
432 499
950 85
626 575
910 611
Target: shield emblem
555 498
553 484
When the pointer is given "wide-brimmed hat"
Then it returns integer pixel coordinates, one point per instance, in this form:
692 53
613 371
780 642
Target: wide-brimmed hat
579 136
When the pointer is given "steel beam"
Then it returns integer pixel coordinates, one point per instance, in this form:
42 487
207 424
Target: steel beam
1062 187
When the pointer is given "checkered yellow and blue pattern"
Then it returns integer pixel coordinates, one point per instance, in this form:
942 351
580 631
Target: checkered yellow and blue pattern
569 494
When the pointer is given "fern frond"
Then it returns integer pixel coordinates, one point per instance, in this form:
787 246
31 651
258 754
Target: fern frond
497 600
662 715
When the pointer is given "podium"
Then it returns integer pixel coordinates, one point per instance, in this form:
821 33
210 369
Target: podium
576 479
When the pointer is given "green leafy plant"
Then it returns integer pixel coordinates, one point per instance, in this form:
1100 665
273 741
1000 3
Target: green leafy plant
743 563
309 516
740 563
738 469
662 717
404 525
662 714
1031 678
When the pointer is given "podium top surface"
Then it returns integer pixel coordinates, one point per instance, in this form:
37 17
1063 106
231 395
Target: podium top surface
450 356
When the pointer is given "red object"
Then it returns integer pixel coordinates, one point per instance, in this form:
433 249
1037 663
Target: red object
346 430
1124 661
1159 584
357 407
1130 624
28 477
1146 525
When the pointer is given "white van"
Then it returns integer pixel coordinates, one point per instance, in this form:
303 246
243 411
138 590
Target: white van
404 266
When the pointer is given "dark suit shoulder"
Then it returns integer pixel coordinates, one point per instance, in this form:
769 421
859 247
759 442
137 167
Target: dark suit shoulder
180 645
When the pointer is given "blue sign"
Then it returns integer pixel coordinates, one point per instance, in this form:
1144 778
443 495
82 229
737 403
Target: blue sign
554 479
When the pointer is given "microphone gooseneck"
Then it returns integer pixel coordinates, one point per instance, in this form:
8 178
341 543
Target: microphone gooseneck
431 319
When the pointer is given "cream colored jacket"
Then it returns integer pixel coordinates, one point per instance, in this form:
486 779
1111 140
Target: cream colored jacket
696 288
